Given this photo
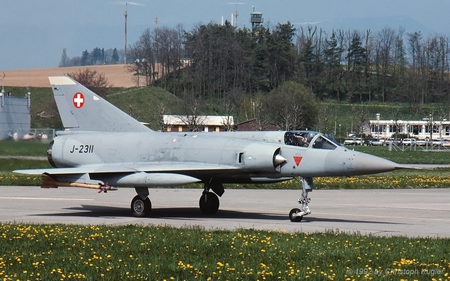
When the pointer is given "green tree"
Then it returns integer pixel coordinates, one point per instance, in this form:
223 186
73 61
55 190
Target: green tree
282 55
85 58
259 50
356 63
291 106
115 56
332 65
64 59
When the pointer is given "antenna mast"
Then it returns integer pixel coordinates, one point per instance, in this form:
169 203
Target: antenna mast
235 14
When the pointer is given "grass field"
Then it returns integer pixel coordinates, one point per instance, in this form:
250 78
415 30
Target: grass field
62 252
23 148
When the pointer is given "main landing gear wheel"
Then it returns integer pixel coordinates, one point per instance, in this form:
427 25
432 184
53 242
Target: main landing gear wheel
293 217
209 203
141 207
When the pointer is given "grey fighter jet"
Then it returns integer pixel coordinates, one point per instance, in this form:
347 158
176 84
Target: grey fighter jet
104 148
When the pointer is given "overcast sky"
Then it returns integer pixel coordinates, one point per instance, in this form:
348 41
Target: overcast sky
33 33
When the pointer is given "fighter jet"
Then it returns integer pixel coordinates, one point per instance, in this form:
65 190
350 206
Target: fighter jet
103 148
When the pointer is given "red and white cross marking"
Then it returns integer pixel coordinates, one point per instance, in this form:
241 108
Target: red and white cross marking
78 100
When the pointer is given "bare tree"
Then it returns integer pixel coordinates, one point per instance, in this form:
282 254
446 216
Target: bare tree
93 80
143 54
229 108
192 108
383 58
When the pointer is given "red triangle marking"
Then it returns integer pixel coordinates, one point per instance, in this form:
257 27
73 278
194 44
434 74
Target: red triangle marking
297 160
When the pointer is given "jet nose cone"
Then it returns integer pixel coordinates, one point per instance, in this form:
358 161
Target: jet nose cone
369 164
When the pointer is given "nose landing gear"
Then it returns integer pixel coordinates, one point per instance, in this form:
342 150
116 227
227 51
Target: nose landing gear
296 215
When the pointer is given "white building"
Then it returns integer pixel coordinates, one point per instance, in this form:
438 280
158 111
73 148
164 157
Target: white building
185 123
439 129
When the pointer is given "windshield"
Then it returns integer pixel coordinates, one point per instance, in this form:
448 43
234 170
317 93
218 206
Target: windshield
322 142
305 138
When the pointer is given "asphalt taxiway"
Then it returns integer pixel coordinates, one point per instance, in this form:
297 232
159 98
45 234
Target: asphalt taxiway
382 212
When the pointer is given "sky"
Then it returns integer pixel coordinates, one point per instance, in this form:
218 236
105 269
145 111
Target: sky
33 33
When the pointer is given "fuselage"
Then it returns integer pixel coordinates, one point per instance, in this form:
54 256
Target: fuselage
275 155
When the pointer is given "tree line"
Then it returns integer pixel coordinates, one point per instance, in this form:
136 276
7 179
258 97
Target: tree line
243 68
95 57
347 65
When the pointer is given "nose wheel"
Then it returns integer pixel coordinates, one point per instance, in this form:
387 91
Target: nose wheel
294 215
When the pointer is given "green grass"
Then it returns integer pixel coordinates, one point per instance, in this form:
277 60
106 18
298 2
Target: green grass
10 164
60 252
146 104
23 148
409 155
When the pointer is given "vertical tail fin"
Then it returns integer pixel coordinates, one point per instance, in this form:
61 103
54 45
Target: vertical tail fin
82 110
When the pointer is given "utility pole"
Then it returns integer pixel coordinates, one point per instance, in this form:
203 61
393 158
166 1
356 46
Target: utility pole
125 14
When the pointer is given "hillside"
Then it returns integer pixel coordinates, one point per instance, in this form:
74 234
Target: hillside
147 103
117 75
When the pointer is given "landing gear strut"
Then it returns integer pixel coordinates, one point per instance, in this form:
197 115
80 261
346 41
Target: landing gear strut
296 215
141 205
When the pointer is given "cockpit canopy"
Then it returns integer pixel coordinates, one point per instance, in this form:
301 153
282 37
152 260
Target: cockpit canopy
310 139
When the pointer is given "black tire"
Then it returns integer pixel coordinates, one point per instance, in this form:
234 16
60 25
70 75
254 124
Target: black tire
140 207
209 203
291 215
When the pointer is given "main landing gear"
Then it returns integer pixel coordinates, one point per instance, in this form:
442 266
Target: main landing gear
141 205
209 201
296 215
